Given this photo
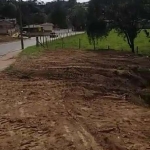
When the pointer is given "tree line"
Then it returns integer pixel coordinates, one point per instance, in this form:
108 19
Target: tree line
62 14
97 17
127 17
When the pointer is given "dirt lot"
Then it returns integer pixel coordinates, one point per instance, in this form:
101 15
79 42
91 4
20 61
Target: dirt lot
76 100
7 38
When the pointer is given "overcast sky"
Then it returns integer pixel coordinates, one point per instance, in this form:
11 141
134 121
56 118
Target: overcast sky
66 0
77 0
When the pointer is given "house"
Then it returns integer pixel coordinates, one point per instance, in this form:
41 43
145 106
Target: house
47 27
33 28
14 21
7 26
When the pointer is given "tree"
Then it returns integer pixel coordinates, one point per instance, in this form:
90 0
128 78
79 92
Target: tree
129 18
77 17
2 2
58 15
9 10
96 25
96 30
71 3
32 13
39 18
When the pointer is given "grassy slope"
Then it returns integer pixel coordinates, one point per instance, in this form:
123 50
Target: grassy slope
113 40
32 50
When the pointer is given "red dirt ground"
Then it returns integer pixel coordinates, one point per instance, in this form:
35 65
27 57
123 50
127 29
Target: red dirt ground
7 38
76 100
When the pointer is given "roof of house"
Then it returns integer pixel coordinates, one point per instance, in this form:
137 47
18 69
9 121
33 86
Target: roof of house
33 26
47 24
6 21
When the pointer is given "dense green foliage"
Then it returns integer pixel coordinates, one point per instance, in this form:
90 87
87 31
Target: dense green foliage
96 24
127 17
98 17
61 13
77 16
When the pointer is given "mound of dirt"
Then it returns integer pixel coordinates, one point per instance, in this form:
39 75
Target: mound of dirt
76 100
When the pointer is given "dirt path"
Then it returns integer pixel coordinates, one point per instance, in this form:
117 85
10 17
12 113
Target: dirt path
75 100
8 59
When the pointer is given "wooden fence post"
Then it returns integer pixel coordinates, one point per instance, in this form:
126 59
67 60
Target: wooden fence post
62 43
46 42
108 47
137 49
40 40
37 41
94 45
79 43
43 40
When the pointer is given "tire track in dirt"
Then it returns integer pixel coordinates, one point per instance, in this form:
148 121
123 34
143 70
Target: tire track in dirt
78 130
108 131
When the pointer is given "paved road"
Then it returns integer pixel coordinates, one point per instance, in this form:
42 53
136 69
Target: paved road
14 46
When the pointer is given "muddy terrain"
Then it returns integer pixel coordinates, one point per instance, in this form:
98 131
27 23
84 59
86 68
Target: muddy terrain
76 100
7 38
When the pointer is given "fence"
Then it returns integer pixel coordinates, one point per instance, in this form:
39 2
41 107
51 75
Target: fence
46 40
67 40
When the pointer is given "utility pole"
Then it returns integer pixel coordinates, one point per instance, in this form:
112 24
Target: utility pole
20 16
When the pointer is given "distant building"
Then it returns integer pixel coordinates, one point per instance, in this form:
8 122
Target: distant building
8 26
47 27
33 28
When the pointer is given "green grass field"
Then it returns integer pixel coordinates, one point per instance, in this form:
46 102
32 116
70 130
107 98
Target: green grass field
113 41
32 50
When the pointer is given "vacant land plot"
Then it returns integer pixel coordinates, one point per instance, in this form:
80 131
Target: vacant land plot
113 41
76 100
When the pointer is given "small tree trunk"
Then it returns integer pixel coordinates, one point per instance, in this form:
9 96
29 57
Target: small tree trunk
130 40
94 44
132 46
